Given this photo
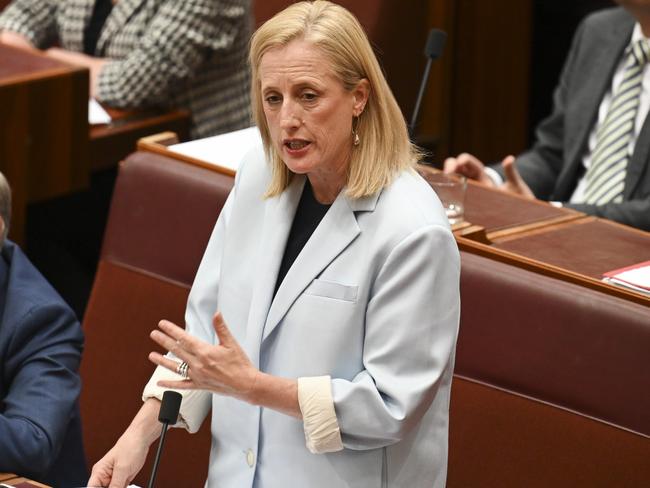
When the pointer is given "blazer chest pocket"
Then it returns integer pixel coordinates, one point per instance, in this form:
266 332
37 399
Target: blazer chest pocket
330 289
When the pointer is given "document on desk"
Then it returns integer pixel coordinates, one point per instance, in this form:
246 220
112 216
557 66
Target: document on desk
97 114
635 277
130 486
225 150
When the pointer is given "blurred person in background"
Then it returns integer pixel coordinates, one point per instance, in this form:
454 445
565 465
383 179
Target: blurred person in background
188 54
592 153
40 350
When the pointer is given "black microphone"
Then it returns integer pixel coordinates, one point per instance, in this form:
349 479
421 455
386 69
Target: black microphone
171 404
432 50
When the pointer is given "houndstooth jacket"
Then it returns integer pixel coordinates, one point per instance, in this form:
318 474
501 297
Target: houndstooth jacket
187 54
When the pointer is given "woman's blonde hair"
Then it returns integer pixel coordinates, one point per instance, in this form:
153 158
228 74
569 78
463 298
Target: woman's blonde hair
385 149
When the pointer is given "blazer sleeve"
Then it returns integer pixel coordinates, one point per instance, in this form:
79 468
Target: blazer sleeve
411 328
34 19
635 213
42 363
178 40
540 166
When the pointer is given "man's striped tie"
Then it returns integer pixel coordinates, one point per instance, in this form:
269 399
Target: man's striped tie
606 174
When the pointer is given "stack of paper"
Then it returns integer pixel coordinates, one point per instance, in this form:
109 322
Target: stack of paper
225 150
97 114
635 277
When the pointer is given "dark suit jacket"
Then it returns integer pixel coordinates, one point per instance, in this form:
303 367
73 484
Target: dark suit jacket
554 164
40 350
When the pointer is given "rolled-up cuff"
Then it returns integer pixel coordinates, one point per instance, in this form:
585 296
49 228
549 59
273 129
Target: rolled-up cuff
195 403
321 426
494 176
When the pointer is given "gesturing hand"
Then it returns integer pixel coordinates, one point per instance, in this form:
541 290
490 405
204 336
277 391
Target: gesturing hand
467 165
223 368
514 182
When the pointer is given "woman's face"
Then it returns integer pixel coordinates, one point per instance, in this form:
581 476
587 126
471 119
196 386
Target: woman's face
309 112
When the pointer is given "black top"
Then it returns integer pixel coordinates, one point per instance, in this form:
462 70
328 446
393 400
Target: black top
308 215
101 11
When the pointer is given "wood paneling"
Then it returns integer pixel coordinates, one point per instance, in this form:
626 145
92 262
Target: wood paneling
478 93
43 129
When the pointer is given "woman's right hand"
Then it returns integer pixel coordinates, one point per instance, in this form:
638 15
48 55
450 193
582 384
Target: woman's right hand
121 464
125 460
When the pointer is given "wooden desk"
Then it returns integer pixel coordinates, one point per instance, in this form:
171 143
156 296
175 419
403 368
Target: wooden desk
491 215
19 482
503 215
47 148
158 144
110 143
43 128
577 251
589 246
6 476
556 242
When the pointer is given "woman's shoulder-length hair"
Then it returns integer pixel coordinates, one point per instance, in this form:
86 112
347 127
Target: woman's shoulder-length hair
384 149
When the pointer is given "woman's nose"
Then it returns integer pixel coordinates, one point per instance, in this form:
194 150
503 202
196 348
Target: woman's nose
290 116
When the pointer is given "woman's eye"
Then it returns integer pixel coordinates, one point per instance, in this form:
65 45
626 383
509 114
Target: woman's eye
309 96
272 99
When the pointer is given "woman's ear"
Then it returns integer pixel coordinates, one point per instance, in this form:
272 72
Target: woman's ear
360 96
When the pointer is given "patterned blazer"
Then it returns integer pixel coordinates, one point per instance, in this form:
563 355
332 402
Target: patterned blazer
187 54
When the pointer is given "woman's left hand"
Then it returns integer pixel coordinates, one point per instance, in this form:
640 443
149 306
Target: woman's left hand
223 368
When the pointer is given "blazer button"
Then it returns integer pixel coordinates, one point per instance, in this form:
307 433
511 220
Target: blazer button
250 458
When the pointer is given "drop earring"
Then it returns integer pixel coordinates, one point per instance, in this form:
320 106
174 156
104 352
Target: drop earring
355 135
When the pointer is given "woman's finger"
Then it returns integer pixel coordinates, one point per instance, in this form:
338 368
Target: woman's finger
178 385
177 348
164 361
223 332
178 334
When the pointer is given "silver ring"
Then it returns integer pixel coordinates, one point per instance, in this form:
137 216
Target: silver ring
181 369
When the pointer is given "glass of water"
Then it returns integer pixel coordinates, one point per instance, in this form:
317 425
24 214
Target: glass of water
451 191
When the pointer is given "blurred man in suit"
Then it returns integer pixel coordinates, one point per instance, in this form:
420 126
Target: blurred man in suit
40 350
593 152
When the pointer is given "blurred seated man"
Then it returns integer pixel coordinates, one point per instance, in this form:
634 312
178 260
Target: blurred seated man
148 53
40 350
593 152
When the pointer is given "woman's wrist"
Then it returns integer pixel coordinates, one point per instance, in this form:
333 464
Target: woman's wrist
276 393
144 427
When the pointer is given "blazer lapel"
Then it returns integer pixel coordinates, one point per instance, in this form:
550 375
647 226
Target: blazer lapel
72 35
120 15
594 83
335 232
278 217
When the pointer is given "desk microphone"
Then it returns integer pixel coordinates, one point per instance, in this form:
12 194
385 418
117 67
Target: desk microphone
432 50
171 404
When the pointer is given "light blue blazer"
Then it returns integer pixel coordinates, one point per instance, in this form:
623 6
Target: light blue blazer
372 301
